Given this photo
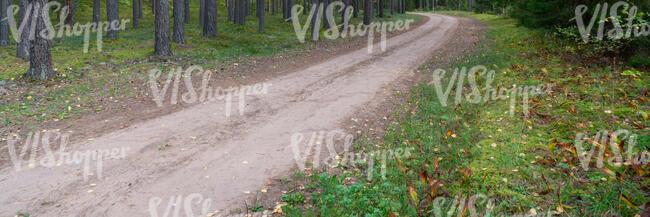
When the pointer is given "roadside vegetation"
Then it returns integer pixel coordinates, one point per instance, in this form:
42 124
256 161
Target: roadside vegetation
510 165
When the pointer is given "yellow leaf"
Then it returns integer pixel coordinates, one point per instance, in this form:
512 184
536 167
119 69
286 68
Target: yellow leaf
414 194
626 200
552 146
424 176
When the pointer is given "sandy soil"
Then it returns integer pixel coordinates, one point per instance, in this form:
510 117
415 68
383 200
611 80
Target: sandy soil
221 158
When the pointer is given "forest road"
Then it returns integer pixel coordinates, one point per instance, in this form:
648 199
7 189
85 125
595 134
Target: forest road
219 157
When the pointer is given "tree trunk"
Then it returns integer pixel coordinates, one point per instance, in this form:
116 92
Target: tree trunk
40 60
22 49
371 7
4 23
260 14
355 12
315 24
237 4
135 13
231 9
235 9
346 4
381 8
69 19
210 25
140 2
284 9
345 15
186 12
112 13
179 21
241 12
163 45
153 6
376 7
201 13
367 12
245 10
326 22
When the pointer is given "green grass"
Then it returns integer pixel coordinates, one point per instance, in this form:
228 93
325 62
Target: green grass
85 81
453 144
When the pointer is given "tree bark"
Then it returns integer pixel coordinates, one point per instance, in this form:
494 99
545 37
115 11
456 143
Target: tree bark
381 8
179 21
201 13
4 23
210 25
22 48
140 2
290 5
186 11
163 45
241 12
260 14
40 60
376 7
70 5
246 8
284 9
112 14
355 12
346 4
231 10
315 24
153 6
326 23
135 13
367 12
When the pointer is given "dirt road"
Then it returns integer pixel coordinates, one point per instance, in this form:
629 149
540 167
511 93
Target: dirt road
216 156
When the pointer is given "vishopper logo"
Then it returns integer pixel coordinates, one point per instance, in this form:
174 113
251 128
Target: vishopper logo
331 139
50 32
620 30
60 158
206 93
179 206
315 19
474 206
475 97
617 147
174 205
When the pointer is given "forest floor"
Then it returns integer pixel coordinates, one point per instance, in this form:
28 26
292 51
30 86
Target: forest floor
223 149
